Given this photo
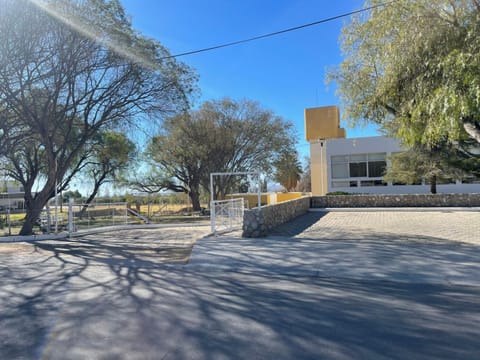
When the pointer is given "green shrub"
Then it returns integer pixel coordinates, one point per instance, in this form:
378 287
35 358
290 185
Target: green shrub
339 193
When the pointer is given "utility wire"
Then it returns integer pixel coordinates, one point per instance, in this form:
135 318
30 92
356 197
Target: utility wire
278 32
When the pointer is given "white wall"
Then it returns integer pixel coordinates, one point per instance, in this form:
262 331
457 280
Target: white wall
380 144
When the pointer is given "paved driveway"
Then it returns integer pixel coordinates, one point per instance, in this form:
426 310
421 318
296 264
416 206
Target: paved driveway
326 286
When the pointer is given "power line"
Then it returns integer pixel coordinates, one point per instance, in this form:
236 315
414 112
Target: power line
278 32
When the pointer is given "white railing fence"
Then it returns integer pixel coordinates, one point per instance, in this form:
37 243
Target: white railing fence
226 215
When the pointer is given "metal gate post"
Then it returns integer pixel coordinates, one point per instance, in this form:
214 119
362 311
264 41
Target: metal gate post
212 217
70 216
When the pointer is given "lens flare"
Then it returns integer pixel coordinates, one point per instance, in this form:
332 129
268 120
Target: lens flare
77 25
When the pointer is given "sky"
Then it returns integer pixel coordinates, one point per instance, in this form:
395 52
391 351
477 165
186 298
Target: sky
285 73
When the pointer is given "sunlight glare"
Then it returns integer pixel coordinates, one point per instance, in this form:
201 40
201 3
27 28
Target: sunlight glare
77 25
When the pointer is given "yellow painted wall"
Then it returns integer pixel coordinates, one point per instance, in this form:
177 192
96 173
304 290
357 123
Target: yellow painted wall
288 196
318 168
323 123
252 199
266 198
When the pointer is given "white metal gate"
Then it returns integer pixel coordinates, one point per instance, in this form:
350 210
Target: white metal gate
226 215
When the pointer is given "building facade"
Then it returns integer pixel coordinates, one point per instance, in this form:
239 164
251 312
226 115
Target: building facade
11 196
357 165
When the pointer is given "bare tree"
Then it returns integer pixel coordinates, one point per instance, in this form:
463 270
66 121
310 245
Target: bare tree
69 69
221 136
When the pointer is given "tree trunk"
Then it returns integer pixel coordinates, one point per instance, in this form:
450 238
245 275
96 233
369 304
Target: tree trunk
92 196
33 209
30 220
195 199
433 184
82 212
472 129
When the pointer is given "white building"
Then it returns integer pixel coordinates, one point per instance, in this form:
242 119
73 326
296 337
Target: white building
12 196
357 165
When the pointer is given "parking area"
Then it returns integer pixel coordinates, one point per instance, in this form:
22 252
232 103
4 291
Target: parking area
337 285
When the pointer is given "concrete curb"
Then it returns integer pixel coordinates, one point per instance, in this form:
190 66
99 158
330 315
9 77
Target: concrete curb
62 236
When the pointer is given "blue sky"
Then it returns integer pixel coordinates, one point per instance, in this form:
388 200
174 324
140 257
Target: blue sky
285 73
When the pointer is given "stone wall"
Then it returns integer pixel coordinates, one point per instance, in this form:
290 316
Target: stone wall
258 222
417 200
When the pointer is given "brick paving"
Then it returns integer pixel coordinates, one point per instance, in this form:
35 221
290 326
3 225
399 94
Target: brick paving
452 225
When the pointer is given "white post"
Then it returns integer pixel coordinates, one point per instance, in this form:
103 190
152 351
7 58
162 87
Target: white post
322 166
212 206
70 216
49 222
212 216
8 217
56 197
259 204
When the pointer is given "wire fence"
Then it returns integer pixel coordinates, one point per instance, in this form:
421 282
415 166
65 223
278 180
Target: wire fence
97 215
70 218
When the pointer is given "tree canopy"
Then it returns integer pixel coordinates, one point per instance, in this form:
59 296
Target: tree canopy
221 136
413 67
68 70
288 170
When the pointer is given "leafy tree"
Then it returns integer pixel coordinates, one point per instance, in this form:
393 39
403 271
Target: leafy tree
112 153
288 170
413 67
433 165
71 194
221 136
69 70
305 183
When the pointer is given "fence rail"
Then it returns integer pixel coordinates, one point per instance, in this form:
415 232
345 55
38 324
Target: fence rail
226 215
70 218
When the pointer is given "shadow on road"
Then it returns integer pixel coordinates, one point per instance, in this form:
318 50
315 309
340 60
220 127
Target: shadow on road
88 299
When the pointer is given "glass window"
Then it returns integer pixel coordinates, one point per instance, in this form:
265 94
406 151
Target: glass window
340 171
340 183
376 168
358 158
353 183
373 183
378 156
358 169
472 179
339 159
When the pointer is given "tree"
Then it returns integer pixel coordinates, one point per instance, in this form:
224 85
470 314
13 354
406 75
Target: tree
412 66
112 153
71 194
305 183
69 70
288 170
221 136
419 162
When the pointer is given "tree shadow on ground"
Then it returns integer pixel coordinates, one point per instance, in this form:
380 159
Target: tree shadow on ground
297 225
99 300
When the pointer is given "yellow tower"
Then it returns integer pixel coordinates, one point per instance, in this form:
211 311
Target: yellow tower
321 123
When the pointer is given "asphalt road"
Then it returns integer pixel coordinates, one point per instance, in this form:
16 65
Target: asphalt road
310 291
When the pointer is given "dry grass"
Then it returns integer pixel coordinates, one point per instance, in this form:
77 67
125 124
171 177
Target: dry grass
11 248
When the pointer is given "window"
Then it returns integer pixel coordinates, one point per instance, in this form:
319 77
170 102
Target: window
359 166
358 169
373 183
472 179
341 183
339 171
376 168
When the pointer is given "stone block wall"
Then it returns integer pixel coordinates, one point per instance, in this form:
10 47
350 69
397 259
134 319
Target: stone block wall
258 222
408 200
